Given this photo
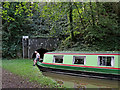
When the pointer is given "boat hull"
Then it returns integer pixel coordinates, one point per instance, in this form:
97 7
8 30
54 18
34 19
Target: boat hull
91 74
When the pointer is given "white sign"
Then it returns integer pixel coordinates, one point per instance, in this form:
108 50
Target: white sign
25 37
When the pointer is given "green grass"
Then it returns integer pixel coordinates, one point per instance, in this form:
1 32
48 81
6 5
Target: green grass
24 68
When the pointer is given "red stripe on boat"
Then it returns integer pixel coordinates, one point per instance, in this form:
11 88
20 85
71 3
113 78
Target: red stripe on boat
81 66
80 54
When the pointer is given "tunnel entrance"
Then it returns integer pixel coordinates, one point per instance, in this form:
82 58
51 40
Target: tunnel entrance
41 51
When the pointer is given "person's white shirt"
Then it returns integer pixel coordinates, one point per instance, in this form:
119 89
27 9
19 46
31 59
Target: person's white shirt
37 56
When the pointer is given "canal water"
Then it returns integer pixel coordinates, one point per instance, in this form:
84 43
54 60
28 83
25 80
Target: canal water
82 82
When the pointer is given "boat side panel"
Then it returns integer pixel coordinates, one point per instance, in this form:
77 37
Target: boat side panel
91 60
68 59
118 63
48 58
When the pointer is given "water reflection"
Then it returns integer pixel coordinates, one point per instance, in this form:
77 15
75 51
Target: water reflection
82 82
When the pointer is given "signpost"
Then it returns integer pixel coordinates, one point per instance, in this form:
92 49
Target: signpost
24 38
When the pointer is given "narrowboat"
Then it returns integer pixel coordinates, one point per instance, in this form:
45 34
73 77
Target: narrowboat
91 64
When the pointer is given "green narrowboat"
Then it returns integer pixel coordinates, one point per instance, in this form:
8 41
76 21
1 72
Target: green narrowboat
92 64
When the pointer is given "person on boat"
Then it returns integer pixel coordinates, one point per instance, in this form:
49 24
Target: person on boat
37 58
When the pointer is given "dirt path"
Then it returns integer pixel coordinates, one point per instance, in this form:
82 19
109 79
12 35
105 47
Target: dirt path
10 80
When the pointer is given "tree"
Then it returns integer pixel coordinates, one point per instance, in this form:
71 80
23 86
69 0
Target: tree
79 25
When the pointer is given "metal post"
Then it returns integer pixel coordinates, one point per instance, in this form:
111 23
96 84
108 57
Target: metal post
23 46
24 37
28 48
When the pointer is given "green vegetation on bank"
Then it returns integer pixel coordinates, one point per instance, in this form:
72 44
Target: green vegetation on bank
79 26
24 68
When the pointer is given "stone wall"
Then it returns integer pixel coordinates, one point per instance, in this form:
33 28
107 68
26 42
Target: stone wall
32 44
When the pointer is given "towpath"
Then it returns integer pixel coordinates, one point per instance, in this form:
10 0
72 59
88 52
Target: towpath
10 80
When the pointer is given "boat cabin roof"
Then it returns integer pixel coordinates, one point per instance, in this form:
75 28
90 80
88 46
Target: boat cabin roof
85 52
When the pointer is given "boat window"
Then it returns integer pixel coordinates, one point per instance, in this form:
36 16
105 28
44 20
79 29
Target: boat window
105 60
58 59
79 60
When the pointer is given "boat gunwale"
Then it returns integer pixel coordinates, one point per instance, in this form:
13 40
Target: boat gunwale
42 64
81 66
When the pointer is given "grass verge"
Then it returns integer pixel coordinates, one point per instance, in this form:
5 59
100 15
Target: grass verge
24 68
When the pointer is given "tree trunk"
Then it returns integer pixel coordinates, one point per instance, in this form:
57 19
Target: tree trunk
93 21
81 19
118 11
97 4
71 21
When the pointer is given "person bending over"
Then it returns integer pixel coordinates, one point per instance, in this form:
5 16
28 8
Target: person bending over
37 58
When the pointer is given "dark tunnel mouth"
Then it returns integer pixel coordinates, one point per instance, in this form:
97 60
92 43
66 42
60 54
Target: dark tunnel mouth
41 51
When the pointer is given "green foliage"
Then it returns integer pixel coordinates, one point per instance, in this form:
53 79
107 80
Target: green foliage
16 22
86 26
93 32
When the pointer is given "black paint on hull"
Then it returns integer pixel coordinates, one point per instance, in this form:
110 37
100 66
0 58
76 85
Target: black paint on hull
80 73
